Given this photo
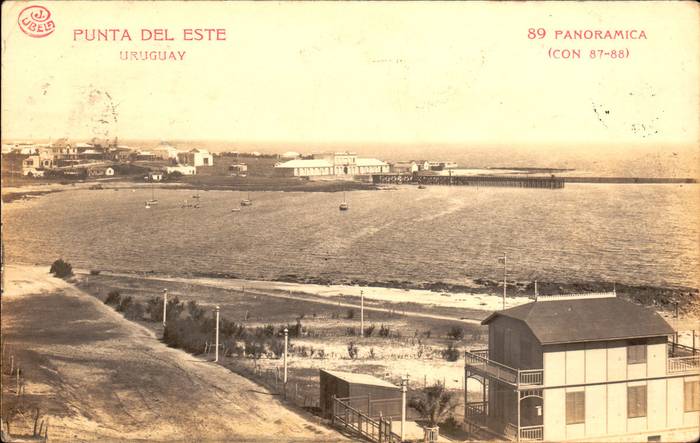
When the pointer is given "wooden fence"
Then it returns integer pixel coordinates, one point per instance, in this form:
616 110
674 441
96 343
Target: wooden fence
351 420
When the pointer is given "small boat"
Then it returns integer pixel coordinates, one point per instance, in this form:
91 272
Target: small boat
421 186
148 206
153 200
344 205
247 201
236 210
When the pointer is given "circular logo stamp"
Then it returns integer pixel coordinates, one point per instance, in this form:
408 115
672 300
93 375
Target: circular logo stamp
35 21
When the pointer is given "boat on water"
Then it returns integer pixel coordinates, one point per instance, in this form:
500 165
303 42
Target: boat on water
421 186
344 205
236 210
153 200
247 201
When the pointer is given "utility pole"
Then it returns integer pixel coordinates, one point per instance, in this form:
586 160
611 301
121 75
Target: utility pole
404 388
165 306
362 313
286 345
216 352
505 282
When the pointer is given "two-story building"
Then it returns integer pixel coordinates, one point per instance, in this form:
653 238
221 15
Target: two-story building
586 367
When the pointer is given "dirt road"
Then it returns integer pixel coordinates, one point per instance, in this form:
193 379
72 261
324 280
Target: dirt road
102 377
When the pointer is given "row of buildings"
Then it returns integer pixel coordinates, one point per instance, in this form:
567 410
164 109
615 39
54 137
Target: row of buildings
64 157
341 164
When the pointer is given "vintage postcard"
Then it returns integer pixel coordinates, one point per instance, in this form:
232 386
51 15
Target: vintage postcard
350 221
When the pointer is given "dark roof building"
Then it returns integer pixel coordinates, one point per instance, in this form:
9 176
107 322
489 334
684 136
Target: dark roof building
574 320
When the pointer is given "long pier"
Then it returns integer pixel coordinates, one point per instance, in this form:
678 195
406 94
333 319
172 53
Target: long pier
471 180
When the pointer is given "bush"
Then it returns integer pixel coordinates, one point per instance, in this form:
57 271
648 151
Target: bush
113 298
125 303
350 331
353 350
195 311
350 314
277 347
154 308
384 331
450 353
369 330
134 311
455 333
61 269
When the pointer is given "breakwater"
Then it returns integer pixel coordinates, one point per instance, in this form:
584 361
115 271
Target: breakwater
471 180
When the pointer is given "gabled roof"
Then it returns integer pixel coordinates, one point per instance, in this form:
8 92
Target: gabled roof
582 320
360 379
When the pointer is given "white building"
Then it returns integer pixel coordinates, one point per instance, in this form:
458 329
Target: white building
182 169
583 367
339 164
195 157
165 152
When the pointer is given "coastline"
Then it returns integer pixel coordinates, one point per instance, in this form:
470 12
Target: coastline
481 295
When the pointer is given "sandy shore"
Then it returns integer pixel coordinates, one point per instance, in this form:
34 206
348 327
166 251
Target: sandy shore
101 377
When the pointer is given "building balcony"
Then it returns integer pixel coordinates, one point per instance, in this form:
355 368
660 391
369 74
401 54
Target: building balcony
478 362
682 359
476 416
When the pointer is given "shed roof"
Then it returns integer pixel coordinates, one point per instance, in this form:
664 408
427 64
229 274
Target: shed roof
581 320
360 379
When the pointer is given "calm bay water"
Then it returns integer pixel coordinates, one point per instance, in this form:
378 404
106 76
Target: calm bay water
634 234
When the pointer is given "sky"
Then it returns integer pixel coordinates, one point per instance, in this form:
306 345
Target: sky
396 74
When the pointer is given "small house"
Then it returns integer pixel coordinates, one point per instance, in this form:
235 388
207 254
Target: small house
366 393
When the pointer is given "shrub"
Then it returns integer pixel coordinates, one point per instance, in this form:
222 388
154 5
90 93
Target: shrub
455 333
350 314
434 404
384 331
113 298
277 347
195 311
134 311
125 303
450 353
350 331
369 330
353 350
428 333
321 353
154 308
372 355
61 269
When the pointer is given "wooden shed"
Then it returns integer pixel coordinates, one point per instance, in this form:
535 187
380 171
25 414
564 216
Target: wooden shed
366 393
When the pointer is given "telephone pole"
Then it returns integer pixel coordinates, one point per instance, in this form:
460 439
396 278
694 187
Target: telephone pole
216 352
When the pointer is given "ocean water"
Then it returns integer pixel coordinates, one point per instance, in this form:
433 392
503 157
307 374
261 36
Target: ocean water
634 234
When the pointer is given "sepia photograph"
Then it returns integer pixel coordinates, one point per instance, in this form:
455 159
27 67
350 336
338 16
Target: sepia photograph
386 222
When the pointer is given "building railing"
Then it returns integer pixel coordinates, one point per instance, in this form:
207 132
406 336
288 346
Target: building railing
352 420
478 361
532 433
682 358
690 363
